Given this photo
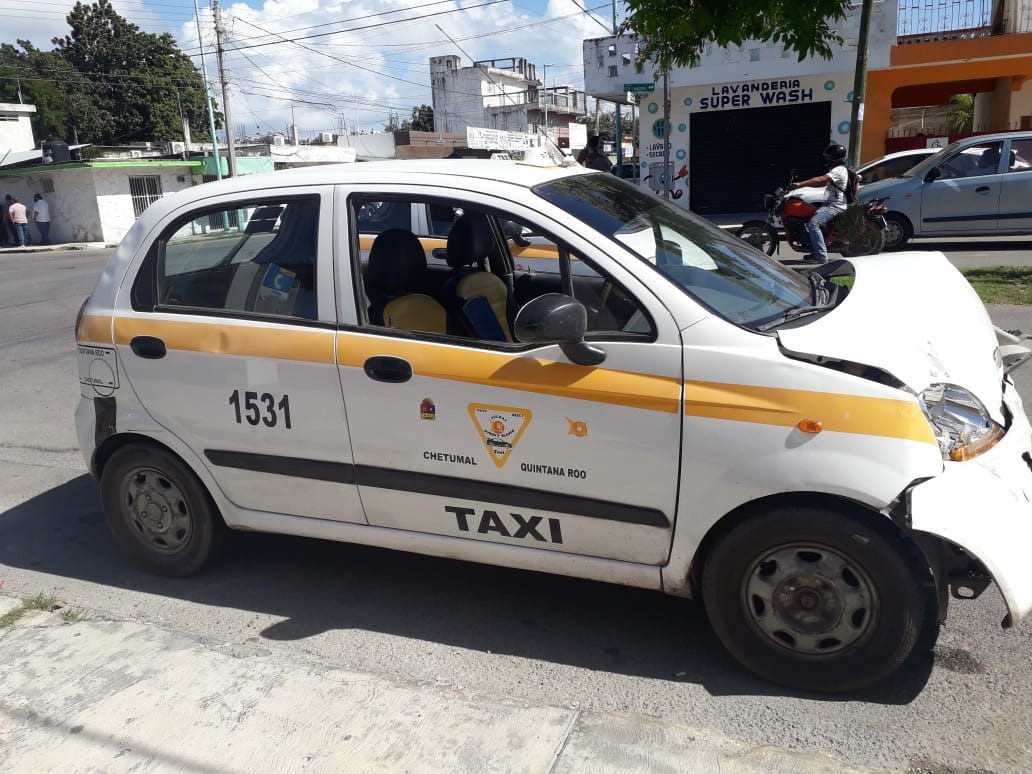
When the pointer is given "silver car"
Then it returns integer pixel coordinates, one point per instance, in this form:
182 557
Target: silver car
974 187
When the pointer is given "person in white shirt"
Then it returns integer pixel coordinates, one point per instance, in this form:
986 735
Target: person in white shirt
835 181
41 216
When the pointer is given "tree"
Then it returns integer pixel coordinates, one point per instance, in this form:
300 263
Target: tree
676 34
141 85
961 115
422 119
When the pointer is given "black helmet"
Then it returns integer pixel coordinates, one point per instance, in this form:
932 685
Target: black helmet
834 152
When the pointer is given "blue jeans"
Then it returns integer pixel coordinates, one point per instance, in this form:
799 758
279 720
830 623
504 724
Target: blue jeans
21 233
813 227
44 231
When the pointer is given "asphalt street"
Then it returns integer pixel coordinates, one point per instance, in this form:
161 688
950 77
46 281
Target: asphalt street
485 633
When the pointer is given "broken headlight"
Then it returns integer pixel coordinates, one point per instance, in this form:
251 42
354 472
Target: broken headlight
960 423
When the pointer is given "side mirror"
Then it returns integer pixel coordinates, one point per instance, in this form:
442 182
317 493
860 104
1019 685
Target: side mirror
557 319
933 174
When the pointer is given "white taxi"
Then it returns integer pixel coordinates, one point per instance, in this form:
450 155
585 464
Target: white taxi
648 402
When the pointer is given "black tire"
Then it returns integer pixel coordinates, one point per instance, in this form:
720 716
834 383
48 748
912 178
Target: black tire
869 239
897 231
760 235
158 512
816 600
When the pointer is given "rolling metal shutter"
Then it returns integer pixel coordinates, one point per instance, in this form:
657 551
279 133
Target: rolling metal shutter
737 156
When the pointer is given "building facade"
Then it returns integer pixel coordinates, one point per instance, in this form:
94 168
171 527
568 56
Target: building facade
746 117
500 94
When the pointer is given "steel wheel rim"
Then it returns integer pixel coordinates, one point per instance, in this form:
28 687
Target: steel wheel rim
809 599
156 510
893 233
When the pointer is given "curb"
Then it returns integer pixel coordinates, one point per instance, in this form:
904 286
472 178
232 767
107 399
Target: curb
130 696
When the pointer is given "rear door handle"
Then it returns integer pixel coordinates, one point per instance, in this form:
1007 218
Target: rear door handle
149 347
383 368
982 189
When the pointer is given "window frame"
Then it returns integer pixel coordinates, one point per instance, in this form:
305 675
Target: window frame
144 293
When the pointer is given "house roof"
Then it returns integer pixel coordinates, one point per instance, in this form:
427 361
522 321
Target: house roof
15 158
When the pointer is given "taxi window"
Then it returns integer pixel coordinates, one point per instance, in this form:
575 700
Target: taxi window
255 257
1020 156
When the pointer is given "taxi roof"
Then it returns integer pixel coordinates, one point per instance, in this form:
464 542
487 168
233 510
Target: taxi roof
505 173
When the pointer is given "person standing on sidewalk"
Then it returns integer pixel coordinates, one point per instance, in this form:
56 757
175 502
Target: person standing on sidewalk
10 240
41 216
20 221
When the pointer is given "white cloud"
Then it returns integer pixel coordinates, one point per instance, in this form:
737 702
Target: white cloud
370 57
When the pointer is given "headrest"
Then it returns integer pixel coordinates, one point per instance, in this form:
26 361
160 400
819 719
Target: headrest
469 240
397 263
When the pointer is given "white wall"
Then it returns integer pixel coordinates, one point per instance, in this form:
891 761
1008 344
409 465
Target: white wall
16 128
115 202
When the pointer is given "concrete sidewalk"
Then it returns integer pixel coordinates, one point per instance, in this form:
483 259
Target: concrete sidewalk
116 696
52 247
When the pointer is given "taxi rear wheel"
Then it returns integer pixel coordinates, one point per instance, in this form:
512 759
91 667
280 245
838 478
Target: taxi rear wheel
815 600
158 512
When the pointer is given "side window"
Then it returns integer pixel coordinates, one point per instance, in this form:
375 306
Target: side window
540 263
1020 156
255 257
975 161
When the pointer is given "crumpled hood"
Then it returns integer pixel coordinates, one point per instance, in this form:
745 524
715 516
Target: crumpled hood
914 315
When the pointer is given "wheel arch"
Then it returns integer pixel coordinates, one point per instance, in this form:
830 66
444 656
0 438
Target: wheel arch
754 509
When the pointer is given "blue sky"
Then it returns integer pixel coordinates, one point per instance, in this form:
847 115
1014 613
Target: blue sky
321 63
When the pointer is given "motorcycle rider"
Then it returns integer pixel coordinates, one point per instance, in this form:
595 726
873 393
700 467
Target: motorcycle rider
835 181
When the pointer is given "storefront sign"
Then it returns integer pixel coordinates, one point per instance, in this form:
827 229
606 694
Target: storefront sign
755 94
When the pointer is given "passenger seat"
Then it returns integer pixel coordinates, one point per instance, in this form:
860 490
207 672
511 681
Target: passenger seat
395 281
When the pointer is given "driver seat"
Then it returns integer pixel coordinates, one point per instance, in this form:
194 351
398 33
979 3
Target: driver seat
478 298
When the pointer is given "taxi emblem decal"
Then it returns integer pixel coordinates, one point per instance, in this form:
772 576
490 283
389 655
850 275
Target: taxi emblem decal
427 409
579 429
500 428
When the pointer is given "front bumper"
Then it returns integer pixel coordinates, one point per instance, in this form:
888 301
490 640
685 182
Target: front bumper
985 506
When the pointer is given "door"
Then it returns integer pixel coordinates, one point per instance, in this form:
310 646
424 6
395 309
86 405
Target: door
227 336
479 439
1016 191
966 194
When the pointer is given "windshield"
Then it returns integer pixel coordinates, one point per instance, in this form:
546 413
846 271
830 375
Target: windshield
722 272
919 169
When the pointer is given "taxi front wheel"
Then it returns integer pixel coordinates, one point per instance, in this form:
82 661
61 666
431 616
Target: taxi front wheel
816 600
158 512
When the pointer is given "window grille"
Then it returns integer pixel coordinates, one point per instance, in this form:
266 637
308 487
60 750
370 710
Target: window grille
145 190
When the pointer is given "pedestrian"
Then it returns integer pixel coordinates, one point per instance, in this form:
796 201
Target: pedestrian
20 221
41 216
8 228
592 157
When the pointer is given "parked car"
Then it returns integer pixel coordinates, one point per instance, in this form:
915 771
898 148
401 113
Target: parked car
977 186
629 170
655 404
893 164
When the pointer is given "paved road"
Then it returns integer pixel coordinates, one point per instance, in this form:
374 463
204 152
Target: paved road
487 632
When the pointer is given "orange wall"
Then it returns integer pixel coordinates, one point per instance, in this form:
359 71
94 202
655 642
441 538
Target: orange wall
941 66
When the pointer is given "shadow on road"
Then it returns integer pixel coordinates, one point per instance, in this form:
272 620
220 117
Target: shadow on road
318 586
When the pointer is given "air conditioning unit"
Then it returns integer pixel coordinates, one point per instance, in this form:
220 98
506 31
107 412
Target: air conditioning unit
326 138
135 154
175 148
279 139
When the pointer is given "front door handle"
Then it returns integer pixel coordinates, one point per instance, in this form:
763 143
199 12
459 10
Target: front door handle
149 347
382 368
982 189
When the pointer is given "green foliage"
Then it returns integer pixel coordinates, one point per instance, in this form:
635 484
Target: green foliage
106 82
962 113
676 33
422 119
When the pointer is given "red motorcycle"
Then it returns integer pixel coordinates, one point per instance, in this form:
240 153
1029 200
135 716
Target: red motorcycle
858 230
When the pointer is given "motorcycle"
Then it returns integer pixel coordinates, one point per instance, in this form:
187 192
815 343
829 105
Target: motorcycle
858 230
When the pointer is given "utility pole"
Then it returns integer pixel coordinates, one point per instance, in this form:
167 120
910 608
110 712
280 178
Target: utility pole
856 113
217 13
618 124
544 94
207 96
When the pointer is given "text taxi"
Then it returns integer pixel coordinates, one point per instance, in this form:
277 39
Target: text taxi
659 405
